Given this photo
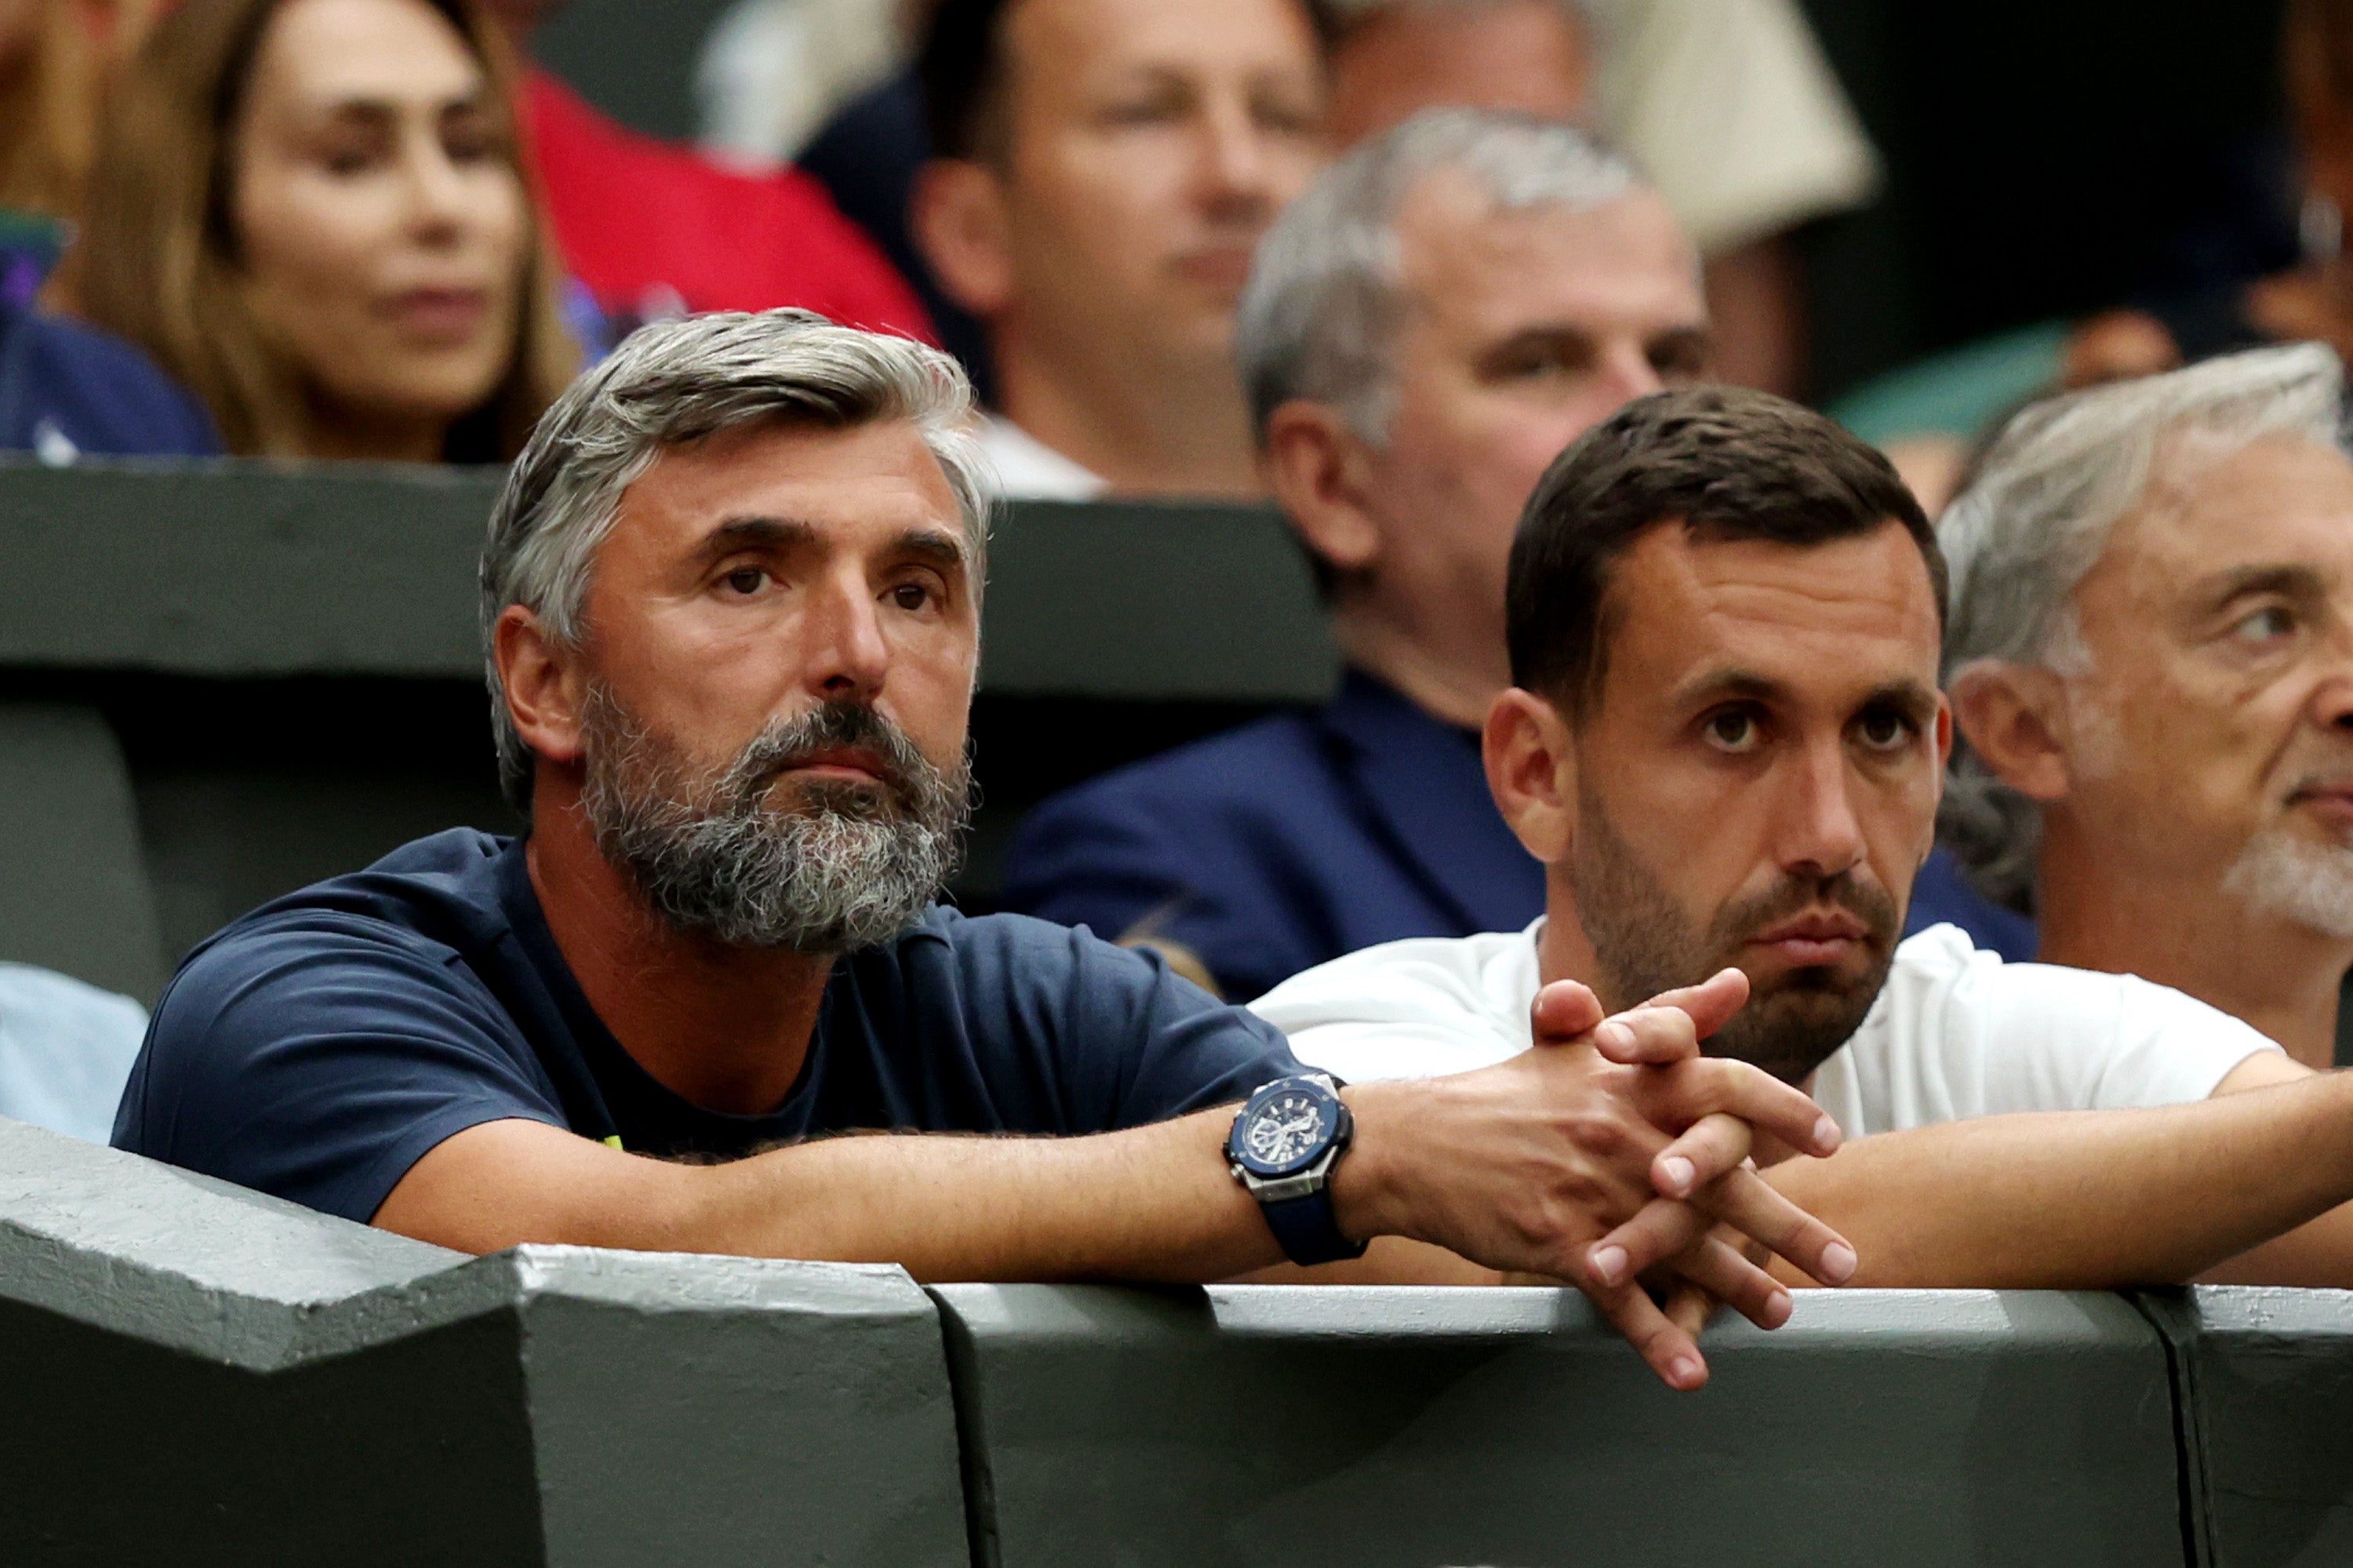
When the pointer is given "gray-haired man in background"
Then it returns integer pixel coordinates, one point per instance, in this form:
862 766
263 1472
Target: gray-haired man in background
731 604
2150 657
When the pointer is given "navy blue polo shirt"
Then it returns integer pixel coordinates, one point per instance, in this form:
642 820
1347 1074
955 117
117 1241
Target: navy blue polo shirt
318 1047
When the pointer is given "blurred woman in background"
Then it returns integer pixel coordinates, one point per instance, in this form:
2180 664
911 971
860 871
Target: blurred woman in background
311 212
54 55
67 390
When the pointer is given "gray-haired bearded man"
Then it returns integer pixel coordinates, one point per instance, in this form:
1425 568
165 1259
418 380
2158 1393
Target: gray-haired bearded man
2151 662
730 598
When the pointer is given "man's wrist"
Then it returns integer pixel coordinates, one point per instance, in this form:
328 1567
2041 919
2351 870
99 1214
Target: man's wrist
1364 1186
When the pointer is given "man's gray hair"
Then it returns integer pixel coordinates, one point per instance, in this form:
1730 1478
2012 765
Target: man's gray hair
675 383
2035 517
1323 295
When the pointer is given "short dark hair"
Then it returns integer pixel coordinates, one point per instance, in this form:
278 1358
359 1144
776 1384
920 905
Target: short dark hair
960 70
1727 463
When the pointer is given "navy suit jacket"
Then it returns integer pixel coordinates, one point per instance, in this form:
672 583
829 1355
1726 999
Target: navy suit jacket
1285 844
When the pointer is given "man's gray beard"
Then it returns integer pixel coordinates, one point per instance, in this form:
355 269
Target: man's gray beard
1646 945
837 866
2309 884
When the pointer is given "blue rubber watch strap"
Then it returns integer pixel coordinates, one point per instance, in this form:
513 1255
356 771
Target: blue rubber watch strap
1307 1230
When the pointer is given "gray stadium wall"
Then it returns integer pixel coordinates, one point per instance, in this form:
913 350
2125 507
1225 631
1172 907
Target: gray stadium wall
196 1374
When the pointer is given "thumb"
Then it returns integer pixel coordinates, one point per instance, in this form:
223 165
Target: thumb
1563 1011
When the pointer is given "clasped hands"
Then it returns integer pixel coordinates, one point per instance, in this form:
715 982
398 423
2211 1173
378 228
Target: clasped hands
1615 1156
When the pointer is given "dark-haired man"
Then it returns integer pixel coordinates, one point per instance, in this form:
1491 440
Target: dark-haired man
1724 743
1105 169
731 598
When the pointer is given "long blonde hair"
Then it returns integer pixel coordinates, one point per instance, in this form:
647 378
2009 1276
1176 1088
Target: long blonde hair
156 260
51 99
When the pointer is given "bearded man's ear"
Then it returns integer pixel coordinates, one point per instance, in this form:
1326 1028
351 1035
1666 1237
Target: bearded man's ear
541 687
1531 759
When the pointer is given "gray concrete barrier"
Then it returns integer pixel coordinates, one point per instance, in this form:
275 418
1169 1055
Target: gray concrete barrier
242 569
2264 1384
193 1374
1413 1428
75 894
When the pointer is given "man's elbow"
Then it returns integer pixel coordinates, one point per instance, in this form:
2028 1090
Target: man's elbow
514 1183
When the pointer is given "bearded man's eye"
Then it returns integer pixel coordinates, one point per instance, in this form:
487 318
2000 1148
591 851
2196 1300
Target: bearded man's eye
747 579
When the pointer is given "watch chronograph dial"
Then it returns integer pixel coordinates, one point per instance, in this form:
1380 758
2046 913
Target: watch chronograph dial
1284 1129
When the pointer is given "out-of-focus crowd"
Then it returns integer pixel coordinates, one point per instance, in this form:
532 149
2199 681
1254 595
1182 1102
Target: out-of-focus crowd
370 229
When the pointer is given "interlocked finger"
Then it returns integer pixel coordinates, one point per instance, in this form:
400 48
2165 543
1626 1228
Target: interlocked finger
1709 1147
1711 1003
1647 1036
1680 1094
1739 1284
1670 1350
1665 1228
1744 1200
1688 1307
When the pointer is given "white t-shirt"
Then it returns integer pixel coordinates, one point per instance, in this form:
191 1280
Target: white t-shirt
1956 1032
1029 470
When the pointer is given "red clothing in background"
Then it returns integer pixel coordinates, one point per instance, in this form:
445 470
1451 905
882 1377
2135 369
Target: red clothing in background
647 225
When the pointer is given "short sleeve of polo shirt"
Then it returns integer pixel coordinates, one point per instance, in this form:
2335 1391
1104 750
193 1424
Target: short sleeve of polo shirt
317 1057
1073 1034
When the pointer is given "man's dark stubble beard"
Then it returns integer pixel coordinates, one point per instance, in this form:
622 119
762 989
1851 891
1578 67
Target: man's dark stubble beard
827 865
1646 945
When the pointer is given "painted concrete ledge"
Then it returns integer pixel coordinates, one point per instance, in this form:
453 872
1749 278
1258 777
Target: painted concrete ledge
2265 1386
1409 1428
195 1373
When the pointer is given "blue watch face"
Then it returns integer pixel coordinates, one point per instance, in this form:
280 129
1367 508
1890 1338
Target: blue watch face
1286 1131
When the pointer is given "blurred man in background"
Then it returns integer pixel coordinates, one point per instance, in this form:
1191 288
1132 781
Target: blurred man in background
2151 661
1105 169
1726 105
1404 413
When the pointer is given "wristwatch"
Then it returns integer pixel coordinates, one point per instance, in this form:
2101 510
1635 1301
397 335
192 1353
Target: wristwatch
1282 1148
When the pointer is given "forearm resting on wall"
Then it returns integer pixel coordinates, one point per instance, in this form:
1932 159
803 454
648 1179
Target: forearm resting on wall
1150 1204
2093 1199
